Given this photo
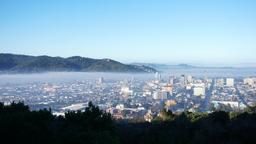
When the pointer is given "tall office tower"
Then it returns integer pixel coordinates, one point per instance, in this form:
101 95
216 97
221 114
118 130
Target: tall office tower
183 80
230 82
101 80
168 88
157 76
171 80
189 79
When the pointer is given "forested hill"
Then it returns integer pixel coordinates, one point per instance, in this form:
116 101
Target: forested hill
24 63
20 125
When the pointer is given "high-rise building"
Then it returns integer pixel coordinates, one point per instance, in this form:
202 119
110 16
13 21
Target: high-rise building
126 91
171 80
183 80
189 79
199 91
230 82
101 80
168 88
157 76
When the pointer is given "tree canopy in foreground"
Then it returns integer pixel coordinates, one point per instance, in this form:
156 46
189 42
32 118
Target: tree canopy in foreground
93 126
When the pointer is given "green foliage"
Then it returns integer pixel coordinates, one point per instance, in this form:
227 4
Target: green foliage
93 126
195 117
193 128
22 63
251 109
165 115
20 125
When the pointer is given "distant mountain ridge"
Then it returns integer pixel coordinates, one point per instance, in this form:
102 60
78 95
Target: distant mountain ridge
166 66
179 66
27 64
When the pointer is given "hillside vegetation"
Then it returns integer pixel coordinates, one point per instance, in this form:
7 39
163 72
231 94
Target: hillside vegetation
20 125
24 63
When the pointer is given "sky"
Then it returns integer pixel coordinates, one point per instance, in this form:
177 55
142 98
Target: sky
156 31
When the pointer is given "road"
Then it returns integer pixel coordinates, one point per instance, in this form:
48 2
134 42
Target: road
207 100
241 98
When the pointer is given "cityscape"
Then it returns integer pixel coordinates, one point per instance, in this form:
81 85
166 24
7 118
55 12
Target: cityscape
128 71
136 98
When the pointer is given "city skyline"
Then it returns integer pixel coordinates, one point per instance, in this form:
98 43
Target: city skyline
203 33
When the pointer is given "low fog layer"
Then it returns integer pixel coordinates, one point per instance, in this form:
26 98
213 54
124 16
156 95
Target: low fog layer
80 76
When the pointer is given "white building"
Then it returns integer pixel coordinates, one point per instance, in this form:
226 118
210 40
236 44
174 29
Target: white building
230 82
126 91
101 80
233 104
199 91
189 87
189 79
120 106
249 81
157 76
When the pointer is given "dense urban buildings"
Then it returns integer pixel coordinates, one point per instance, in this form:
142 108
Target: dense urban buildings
135 98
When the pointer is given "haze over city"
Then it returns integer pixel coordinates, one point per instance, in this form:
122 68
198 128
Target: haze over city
208 33
128 71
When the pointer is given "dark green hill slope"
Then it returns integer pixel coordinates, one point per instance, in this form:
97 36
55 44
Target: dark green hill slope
23 63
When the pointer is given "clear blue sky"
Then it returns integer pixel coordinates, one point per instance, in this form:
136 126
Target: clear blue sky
166 31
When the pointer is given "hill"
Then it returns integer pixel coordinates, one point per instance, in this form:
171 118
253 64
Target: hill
24 63
167 66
